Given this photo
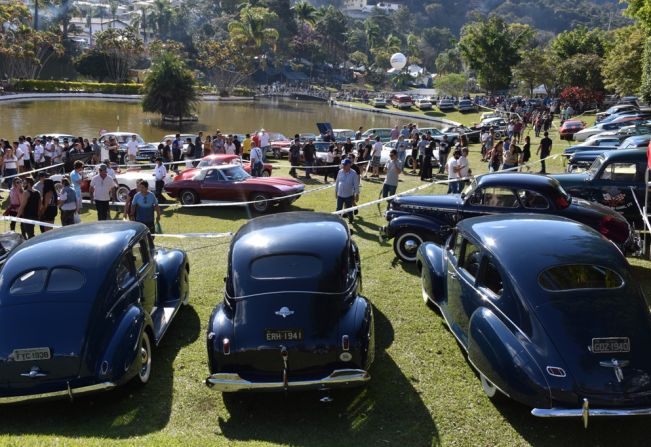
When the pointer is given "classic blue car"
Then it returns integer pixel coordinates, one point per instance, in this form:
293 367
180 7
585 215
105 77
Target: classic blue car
415 219
81 308
609 181
591 152
292 315
547 312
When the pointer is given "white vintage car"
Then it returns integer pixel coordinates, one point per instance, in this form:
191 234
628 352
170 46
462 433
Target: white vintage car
126 181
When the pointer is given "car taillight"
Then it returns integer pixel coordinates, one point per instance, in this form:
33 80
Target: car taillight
614 229
226 346
345 343
561 202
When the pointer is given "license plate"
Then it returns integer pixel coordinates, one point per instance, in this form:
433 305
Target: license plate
611 345
30 354
284 334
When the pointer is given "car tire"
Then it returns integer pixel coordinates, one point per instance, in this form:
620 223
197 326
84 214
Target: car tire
144 359
406 244
262 204
266 173
188 197
490 390
409 162
122 193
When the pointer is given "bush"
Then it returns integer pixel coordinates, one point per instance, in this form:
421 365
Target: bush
243 91
31 85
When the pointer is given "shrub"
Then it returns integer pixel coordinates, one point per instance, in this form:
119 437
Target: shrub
32 85
243 91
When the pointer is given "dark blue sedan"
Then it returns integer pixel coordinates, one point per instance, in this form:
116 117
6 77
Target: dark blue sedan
81 308
293 316
547 312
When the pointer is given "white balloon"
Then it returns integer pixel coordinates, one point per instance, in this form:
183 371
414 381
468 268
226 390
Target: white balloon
398 61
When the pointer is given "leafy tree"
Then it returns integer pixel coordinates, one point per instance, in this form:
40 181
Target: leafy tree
579 41
251 30
225 64
122 47
491 48
356 40
438 39
453 84
645 86
169 88
304 13
449 62
622 69
530 69
359 58
640 10
332 27
413 49
93 64
584 71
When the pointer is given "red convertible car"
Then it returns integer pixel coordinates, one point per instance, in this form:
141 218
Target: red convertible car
569 128
231 183
222 159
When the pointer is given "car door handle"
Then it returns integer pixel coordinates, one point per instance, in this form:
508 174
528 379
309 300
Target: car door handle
454 276
155 275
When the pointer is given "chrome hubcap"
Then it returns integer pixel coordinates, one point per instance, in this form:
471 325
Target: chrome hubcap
411 246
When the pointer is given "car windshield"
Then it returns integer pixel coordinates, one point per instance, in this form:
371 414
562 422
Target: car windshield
124 139
578 277
217 162
234 174
469 189
594 168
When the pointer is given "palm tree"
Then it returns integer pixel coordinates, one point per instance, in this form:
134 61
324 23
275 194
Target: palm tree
305 13
393 43
114 11
373 34
251 31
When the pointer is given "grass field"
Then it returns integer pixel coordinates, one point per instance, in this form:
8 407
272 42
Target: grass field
422 393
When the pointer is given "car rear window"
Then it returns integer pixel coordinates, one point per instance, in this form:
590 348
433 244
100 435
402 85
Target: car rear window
293 266
579 276
60 279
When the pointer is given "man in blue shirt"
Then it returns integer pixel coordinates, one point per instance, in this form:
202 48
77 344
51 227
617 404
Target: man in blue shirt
347 188
143 205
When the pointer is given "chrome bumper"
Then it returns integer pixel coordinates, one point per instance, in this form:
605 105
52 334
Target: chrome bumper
69 393
578 412
230 382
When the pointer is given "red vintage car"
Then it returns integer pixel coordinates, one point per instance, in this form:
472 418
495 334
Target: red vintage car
230 183
223 159
569 128
279 144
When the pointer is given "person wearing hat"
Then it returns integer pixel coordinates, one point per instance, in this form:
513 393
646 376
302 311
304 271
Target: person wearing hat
101 191
347 188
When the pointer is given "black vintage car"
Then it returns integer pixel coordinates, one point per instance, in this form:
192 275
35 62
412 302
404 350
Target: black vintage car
561 326
292 315
609 181
415 219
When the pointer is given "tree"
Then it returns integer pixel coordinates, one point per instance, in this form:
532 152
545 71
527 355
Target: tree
251 31
359 58
169 89
622 69
224 63
491 48
640 10
332 27
92 63
584 71
438 39
304 13
449 62
579 41
645 87
453 84
529 70
122 48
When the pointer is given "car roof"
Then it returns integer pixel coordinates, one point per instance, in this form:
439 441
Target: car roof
517 180
527 244
625 154
89 247
120 133
220 167
322 235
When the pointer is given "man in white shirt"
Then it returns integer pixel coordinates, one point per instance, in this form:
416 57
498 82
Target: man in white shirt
160 172
39 154
229 146
256 161
264 142
49 151
376 156
101 191
20 158
132 149
453 168
464 169
26 149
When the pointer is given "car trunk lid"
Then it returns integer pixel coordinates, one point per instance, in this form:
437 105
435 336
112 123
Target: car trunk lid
41 341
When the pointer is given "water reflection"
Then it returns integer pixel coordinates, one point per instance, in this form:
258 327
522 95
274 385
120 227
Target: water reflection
86 117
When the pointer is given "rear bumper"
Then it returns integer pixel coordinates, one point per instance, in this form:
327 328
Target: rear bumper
69 393
340 378
596 412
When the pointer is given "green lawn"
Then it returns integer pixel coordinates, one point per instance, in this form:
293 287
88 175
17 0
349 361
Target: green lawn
423 391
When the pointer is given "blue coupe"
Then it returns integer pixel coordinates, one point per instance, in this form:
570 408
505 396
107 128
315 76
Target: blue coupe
293 316
547 312
81 308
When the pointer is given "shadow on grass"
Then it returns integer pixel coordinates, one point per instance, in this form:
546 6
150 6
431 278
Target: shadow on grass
389 411
127 411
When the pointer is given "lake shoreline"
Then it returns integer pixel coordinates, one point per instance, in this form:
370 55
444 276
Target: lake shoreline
444 121
15 97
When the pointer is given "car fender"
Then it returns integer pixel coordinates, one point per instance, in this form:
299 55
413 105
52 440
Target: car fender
431 262
495 351
436 228
357 322
173 275
118 364
220 327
